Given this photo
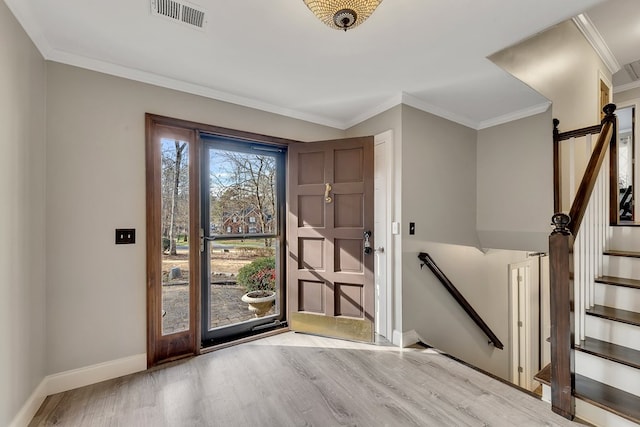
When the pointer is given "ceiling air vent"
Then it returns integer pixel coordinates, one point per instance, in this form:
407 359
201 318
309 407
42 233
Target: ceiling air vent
180 11
633 69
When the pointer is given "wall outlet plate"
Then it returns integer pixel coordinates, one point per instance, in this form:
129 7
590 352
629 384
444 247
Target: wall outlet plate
125 236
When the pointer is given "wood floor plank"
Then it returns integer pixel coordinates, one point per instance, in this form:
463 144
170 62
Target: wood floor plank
301 380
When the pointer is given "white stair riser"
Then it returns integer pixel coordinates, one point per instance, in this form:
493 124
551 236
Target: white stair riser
593 414
615 374
600 417
618 296
621 266
613 332
624 239
546 393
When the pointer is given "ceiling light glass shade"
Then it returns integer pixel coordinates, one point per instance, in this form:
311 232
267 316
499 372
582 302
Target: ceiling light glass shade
342 14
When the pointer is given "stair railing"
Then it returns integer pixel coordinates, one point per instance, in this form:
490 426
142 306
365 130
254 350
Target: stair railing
575 255
460 299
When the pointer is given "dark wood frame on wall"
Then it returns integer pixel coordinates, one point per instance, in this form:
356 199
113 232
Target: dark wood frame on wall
183 344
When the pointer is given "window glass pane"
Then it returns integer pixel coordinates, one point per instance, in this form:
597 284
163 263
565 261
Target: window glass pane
237 267
243 193
175 232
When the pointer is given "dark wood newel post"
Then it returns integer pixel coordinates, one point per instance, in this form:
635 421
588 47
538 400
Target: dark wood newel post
562 359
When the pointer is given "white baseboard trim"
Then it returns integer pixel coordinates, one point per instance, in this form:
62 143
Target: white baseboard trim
31 406
410 338
68 380
396 338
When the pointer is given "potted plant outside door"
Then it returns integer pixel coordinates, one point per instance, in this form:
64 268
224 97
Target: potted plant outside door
259 280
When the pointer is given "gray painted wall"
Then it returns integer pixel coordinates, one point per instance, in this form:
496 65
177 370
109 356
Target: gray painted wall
22 217
482 278
440 169
515 184
438 178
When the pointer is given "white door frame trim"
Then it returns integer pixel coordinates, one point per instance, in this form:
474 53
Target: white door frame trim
386 138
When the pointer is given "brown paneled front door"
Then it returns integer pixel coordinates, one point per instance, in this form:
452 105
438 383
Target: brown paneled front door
331 283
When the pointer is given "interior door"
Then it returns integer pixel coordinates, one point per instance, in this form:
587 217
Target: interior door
525 322
331 281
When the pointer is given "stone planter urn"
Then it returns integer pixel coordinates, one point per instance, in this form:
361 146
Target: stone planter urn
260 302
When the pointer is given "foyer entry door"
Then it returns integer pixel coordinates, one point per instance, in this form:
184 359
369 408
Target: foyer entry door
331 281
242 212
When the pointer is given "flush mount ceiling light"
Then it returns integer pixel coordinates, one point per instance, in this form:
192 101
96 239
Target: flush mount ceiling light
342 14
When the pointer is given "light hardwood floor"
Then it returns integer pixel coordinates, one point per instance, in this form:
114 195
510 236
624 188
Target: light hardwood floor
301 380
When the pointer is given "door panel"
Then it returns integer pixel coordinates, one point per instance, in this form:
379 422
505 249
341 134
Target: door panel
172 267
331 287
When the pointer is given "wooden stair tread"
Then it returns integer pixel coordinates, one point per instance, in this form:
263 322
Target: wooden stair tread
616 353
619 402
619 281
624 316
604 396
626 224
629 254
544 376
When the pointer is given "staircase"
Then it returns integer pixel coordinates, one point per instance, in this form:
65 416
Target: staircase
607 361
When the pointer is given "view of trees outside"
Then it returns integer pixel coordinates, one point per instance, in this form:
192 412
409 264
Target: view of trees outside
175 232
243 203
243 193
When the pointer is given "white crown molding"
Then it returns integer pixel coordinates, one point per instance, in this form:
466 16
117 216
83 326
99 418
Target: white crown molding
182 86
414 102
625 87
593 36
372 112
516 115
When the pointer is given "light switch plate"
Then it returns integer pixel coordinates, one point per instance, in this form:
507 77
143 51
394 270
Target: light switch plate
125 236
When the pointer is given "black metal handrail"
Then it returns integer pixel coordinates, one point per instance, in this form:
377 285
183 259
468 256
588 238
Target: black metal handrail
455 293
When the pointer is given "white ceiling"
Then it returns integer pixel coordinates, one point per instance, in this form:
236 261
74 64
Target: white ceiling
276 56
